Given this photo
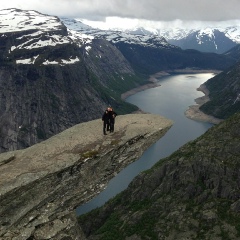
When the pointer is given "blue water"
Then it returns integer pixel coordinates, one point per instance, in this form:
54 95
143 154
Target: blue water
170 99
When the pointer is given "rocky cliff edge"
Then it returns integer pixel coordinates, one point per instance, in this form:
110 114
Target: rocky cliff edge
41 186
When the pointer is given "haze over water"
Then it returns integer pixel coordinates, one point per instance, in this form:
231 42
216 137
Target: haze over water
171 99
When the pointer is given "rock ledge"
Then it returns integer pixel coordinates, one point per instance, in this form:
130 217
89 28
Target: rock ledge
41 186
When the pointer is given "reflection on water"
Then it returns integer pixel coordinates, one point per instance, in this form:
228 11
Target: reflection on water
171 99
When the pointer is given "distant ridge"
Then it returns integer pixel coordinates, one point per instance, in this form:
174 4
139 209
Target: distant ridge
206 39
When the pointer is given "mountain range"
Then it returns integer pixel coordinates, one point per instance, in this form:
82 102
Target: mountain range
149 53
205 39
55 73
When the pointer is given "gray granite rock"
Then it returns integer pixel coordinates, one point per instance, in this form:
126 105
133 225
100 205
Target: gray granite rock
41 186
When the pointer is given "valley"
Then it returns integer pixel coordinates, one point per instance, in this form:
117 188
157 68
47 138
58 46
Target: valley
58 75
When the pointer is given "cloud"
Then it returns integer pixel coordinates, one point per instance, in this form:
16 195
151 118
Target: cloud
163 10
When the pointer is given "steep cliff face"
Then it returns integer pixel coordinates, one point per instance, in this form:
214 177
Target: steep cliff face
224 93
41 186
149 60
52 78
192 194
52 99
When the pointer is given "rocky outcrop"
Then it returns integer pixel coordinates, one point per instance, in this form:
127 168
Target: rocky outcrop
41 186
192 194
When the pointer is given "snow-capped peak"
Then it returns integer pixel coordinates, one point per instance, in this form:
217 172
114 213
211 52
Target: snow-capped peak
34 32
138 36
14 20
207 31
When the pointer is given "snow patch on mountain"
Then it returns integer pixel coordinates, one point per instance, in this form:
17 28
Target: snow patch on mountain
175 33
233 32
207 31
34 30
202 34
62 61
169 33
138 37
15 20
79 37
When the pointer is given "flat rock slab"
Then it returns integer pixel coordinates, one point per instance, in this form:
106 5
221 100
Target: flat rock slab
17 167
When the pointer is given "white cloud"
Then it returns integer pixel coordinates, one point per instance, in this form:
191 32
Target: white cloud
123 23
112 22
164 10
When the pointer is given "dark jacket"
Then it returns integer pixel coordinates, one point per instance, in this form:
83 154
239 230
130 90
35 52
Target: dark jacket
112 116
105 116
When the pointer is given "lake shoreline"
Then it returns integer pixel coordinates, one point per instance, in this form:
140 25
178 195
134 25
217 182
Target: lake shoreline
176 137
153 82
193 112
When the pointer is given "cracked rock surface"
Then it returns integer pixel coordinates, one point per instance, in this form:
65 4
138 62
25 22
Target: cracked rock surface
41 186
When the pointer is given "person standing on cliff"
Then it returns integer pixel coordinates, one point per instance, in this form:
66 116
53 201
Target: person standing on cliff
112 116
105 119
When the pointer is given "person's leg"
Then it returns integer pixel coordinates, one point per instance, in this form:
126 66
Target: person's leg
111 126
104 128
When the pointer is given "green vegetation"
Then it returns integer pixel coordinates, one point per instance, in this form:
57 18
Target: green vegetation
90 154
111 93
110 230
147 60
224 90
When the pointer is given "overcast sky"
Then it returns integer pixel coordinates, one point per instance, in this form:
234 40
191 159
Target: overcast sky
155 10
